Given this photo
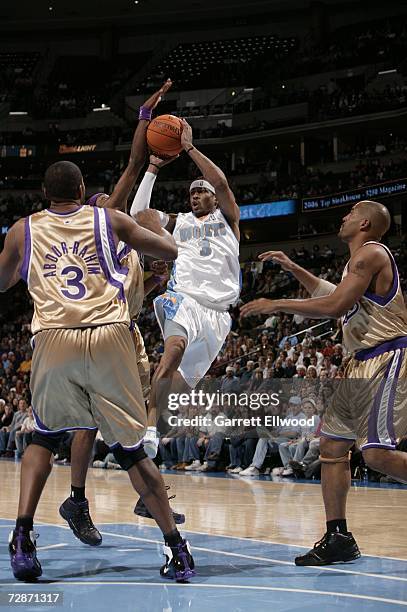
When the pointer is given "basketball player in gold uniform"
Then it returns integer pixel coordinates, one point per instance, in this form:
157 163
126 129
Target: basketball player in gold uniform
84 351
75 509
370 406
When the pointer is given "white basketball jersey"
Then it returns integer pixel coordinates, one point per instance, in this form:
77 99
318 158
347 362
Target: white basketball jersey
207 267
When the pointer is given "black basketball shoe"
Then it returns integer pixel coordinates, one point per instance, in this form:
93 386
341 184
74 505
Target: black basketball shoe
179 564
141 510
332 548
78 518
23 555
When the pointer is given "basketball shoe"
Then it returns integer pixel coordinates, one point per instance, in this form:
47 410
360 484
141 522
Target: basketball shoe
332 548
23 555
179 564
78 518
141 510
150 442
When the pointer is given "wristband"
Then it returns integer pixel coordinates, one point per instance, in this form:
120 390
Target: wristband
145 113
190 149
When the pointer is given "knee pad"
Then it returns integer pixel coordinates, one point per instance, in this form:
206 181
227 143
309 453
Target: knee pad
51 442
343 459
126 459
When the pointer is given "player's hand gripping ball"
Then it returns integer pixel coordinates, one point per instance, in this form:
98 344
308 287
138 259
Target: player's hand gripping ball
164 136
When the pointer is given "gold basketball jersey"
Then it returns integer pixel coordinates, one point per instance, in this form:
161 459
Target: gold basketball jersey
72 270
374 319
134 283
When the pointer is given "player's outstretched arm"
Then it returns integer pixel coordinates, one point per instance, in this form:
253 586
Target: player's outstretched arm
11 256
157 243
126 182
363 267
315 286
142 199
216 177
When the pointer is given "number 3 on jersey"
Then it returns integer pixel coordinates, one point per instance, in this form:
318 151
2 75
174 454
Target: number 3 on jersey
74 289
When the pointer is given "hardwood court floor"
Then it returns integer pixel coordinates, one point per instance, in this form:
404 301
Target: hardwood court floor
274 511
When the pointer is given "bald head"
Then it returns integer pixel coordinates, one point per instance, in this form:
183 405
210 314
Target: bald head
367 218
377 214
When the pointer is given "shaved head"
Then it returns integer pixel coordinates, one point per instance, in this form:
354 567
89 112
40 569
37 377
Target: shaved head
367 217
378 216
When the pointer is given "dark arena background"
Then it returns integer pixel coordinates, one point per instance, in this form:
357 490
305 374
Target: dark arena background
303 105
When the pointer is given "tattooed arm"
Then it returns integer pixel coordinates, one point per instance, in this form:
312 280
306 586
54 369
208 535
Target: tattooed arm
365 266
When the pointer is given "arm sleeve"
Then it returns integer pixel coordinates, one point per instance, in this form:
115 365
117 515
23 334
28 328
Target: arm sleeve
323 289
143 197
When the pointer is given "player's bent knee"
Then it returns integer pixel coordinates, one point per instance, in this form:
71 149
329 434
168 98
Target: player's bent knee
334 451
175 346
330 460
126 459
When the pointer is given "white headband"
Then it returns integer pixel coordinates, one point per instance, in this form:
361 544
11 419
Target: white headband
202 184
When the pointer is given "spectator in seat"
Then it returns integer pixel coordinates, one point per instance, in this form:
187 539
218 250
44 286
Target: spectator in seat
24 435
25 366
6 417
256 380
215 438
247 375
8 434
301 371
230 382
337 356
168 452
289 368
273 438
310 462
241 451
308 433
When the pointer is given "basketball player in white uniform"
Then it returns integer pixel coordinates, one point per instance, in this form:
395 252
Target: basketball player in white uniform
369 406
205 280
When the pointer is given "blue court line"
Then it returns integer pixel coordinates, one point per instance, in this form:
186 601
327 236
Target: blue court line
251 568
336 569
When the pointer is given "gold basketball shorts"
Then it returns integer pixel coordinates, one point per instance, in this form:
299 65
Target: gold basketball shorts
143 363
369 405
87 378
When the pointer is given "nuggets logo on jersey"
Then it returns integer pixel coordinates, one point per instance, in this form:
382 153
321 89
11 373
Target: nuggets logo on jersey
207 266
205 231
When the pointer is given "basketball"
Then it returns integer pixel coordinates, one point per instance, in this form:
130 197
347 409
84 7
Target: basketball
164 136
